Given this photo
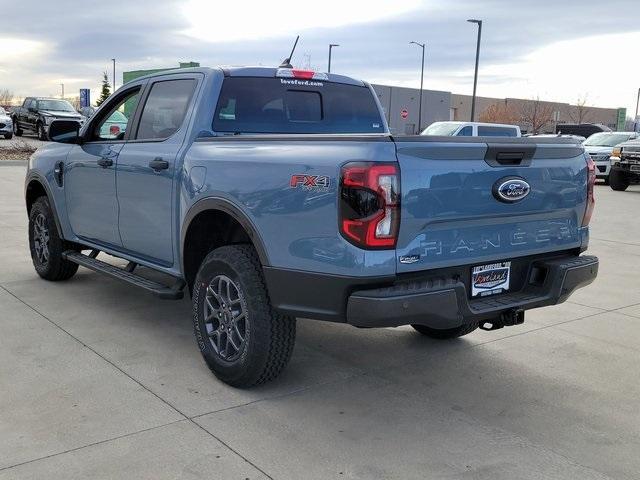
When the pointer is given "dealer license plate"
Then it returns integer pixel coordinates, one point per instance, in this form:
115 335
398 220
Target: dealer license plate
490 279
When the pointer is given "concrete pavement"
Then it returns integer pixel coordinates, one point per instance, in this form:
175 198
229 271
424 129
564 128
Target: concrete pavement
100 380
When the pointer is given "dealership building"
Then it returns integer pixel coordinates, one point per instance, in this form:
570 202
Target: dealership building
401 107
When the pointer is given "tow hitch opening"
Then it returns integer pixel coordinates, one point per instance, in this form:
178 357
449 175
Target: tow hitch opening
509 318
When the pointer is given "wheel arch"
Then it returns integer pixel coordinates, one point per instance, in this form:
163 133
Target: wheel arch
207 214
35 188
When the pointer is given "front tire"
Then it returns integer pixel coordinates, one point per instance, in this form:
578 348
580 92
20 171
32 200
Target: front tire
42 135
448 333
8 136
46 245
618 180
243 340
16 129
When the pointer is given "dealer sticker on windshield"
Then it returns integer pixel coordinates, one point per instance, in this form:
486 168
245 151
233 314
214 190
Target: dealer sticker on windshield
490 279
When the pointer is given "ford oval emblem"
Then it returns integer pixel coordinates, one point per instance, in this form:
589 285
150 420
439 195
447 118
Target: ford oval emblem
511 189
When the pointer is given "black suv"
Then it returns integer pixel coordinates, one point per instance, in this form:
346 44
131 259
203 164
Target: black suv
37 113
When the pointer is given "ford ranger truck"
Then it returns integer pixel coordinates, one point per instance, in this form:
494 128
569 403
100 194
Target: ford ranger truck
269 194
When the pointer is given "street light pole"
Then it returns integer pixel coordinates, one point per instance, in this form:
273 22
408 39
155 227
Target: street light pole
331 45
421 45
114 73
62 85
475 76
636 120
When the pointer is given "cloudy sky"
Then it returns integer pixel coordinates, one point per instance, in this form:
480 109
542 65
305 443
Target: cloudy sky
557 49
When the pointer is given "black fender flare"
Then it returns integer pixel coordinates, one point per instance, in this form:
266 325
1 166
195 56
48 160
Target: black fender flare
35 177
223 205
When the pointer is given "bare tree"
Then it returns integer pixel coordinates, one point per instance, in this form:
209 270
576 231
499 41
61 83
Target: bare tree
579 113
537 114
6 96
500 112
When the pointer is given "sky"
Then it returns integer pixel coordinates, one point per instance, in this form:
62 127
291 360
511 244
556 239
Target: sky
559 50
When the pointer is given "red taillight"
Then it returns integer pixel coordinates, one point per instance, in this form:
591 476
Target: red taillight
114 130
370 204
591 201
304 74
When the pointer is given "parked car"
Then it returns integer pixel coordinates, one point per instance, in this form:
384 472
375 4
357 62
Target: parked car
625 165
471 129
6 124
37 113
582 129
600 146
575 138
274 193
87 112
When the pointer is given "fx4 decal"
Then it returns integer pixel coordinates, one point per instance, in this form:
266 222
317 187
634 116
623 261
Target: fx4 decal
310 181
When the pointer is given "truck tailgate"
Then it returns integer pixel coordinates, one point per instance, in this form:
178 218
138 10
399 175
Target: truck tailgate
452 214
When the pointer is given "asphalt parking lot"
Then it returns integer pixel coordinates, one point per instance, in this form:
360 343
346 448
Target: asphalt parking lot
100 380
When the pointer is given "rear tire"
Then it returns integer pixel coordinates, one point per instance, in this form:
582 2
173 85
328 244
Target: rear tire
448 333
46 245
618 181
243 340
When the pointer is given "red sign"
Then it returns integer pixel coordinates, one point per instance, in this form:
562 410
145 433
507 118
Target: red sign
404 113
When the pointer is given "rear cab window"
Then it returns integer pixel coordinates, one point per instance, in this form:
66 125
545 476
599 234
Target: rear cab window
285 106
486 131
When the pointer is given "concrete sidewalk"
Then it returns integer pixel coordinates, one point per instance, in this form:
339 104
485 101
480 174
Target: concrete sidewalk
100 380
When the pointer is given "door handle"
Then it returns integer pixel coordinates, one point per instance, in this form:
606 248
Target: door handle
105 162
159 164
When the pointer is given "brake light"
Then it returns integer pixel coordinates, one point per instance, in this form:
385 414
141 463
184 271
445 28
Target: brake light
591 201
114 130
370 204
300 74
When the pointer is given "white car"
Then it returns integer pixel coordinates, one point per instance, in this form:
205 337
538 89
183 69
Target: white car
6 124
600 147
472 129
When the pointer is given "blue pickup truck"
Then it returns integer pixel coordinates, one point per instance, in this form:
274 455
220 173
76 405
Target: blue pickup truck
274 193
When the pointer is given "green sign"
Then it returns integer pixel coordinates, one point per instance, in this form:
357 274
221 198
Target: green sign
622 119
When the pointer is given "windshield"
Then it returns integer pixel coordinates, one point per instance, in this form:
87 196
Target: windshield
55 105
441 128
605 139
274 105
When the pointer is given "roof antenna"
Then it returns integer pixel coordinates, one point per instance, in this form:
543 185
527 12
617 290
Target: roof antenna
286 63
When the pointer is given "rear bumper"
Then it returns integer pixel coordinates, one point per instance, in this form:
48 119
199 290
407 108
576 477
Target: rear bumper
445 303
437 298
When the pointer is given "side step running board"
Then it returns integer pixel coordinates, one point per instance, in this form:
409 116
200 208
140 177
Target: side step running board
91 262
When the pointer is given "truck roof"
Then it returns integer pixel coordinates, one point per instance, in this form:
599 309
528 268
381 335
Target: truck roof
250 71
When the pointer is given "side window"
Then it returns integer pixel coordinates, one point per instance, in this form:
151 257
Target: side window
113 124
466 132
165 109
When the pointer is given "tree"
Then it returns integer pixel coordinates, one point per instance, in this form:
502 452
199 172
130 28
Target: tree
6 96
500 112
579 113
106 90
537 114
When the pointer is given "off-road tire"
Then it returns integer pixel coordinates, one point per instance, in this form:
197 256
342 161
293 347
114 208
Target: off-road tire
8 136
55 268
269 336
40 132
448 333
618 181
16 129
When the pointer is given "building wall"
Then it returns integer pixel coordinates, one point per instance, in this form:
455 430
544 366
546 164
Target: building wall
435 107
563 112
133 74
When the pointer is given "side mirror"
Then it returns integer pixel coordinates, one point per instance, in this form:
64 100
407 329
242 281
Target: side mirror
65 131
